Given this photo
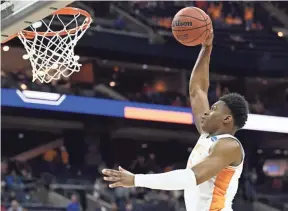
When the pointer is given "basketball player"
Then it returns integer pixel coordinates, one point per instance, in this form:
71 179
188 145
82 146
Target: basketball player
210 180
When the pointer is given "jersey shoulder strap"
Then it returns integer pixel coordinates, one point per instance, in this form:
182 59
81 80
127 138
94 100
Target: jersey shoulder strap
226 136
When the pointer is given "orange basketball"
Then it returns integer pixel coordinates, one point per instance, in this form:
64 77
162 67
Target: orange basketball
191 26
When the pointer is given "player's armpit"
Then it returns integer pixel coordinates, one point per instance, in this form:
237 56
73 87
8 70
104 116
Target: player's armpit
224 153
200 105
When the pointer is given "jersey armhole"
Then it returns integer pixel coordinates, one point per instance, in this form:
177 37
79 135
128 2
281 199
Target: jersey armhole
242 150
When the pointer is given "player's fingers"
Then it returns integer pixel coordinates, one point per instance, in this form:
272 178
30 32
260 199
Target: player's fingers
121 169
110 172
112 179
115 185
124 171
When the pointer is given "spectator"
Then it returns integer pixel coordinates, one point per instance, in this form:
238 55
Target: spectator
229 19
114 207
177 102
93 156
248 17
93 159
215 11
24 169
277 184
15 206
97 187
175 198
151 163
122 196
64 155
74 205
50 156
26 174
38 85
4 167
164 22
258 107
253 176
138 165
12 180
21 77
129 206
225 91
201 4
147 89
214 93
7 80
62 85
249 191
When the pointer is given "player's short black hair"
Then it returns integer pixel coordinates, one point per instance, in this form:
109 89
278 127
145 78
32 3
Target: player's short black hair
238 106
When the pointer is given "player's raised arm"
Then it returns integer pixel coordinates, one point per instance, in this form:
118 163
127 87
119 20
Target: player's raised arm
199 83
225 152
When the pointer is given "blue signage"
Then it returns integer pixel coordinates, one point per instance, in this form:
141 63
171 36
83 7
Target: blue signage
125 109
87 105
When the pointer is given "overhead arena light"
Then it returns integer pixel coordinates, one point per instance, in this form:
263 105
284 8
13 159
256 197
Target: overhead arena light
112 83
25 56
280 34
23 86
6 48
37 24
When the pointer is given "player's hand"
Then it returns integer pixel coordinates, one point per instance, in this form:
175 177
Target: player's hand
119 178
209 39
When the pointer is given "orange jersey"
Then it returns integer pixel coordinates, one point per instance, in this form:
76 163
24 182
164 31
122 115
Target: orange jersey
50 155
249 13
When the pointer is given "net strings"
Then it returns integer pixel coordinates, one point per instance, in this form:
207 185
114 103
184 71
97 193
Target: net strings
53 57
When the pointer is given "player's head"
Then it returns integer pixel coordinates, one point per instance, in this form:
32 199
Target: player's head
230 112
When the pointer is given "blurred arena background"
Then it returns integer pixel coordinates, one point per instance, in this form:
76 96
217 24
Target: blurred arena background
123 108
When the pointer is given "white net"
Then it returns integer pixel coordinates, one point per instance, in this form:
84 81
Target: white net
52 53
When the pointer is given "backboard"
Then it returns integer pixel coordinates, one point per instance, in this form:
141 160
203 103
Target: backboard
18 15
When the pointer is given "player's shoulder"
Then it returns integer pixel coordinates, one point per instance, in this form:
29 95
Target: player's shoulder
230 147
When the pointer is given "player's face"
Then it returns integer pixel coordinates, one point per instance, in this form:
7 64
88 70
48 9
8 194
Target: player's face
214 119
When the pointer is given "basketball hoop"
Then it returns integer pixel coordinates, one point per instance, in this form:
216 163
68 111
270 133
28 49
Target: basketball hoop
51 51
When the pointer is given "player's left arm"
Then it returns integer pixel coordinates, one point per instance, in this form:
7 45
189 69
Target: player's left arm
224 153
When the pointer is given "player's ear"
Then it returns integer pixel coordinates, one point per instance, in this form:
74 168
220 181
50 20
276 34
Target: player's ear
227 119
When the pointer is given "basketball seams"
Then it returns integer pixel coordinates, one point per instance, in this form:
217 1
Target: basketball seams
193 28
195 38
200 11
188 16
204 19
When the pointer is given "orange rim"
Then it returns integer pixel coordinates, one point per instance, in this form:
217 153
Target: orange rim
63 11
